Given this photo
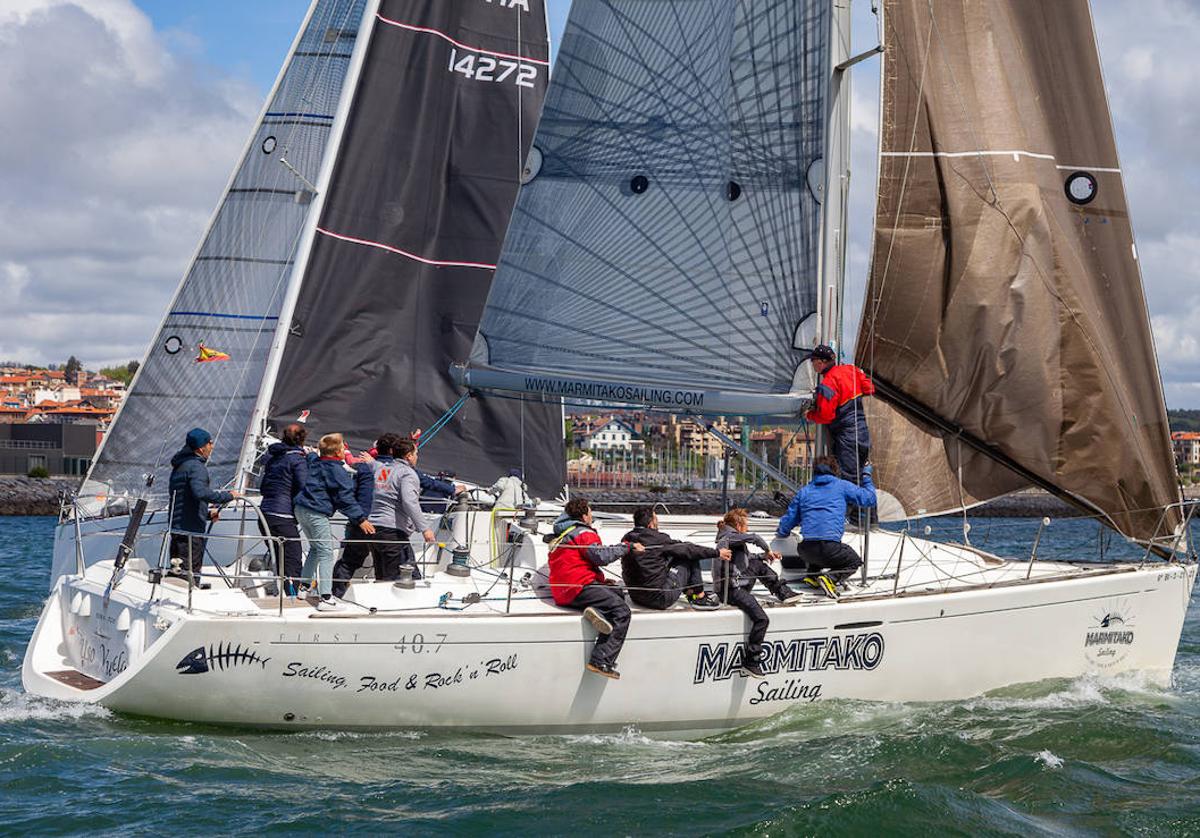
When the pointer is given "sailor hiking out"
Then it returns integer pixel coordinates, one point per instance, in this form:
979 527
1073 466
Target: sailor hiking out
576 581
820 510
837 403
668 568
734 578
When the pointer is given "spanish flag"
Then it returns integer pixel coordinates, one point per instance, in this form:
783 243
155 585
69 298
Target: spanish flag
207 354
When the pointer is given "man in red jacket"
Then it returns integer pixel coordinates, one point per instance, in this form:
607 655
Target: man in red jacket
837 402
576 581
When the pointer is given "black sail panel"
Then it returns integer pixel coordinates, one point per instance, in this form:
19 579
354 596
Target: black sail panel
1004 315
411 229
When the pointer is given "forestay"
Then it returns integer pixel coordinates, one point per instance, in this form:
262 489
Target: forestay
664 249
408 238
1005 314
231 294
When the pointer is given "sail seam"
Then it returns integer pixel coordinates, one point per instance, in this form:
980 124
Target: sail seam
428 31
437 263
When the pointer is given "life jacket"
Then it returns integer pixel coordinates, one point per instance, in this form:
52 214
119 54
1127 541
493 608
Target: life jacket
835 399
570 569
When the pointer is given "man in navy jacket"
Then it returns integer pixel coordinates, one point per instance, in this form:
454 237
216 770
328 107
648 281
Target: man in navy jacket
191 493
285 471
820 510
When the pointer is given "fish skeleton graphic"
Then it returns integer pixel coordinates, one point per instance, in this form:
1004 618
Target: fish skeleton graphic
222 656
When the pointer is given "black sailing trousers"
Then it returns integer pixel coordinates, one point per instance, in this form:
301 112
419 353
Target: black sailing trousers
389 548
609 601
729 591
293 551
836 558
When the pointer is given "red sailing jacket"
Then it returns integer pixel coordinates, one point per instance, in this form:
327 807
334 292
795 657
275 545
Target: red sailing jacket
570 568
839 385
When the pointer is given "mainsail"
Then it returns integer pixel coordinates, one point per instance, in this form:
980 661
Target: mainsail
1005 316
409 235
665 248
231 295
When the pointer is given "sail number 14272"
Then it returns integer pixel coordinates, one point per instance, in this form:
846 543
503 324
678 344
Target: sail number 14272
490 68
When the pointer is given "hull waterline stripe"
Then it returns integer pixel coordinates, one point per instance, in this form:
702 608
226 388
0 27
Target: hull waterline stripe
437 263
426 30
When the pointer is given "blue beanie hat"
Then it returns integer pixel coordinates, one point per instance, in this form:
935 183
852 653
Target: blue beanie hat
197 438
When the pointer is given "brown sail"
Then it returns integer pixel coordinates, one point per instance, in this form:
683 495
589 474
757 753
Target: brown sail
1004 317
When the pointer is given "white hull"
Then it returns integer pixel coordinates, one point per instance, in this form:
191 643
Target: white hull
237 660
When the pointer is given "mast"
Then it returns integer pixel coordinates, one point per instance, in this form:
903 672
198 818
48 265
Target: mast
832 258
256 425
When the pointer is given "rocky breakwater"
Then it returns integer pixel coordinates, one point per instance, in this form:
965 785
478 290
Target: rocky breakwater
32 495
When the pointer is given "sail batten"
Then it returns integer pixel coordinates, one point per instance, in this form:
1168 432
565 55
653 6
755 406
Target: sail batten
1005 296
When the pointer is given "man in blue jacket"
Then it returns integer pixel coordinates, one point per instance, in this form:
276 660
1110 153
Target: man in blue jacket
191 493
820 510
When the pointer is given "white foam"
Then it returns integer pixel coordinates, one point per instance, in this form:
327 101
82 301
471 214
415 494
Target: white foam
22 707
630 735
1048 759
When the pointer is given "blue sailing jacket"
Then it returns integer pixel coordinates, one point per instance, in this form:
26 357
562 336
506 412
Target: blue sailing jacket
330 488
820 507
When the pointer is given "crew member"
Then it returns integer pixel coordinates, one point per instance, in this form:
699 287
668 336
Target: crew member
820 510
577 581
837 403
656 578
733 581
191 493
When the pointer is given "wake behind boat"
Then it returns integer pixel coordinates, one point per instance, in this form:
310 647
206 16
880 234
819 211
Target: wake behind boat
676 241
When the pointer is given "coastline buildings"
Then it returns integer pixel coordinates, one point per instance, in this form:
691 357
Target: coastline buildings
53 421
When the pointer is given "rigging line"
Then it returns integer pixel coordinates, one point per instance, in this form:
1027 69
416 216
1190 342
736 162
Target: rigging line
442 420
1045 280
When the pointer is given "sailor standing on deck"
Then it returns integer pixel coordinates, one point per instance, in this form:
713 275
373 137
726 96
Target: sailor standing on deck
191 493
837 403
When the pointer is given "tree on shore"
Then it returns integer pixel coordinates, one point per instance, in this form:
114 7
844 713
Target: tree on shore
71 371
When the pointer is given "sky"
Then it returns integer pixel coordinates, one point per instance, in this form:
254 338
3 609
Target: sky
124 118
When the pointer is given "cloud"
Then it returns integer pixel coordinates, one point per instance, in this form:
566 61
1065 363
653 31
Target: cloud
114 151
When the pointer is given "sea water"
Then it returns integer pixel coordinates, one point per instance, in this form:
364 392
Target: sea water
1089 756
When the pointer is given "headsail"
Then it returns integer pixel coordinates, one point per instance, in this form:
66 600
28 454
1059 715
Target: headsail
233 289
665 249
1005 314
409 234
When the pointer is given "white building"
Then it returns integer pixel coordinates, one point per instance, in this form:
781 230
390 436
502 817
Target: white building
613 435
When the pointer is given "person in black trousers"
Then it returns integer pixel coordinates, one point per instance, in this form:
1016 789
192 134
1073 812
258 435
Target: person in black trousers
734 578
284 472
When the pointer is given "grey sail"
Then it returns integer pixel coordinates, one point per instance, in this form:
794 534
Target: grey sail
231 295
664 248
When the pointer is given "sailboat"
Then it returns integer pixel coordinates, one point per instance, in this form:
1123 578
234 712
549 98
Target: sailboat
677 242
